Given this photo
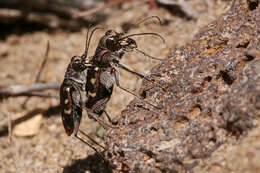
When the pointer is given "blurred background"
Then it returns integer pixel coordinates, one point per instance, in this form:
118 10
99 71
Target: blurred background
38 143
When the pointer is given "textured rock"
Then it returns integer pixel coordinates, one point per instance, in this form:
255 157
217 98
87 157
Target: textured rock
211 97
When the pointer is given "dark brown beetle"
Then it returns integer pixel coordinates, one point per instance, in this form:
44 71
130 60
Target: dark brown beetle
89 82
111 48
74 97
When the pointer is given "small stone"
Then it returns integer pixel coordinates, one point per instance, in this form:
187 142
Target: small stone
28 127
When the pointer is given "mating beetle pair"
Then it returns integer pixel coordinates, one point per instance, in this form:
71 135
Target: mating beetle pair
89 81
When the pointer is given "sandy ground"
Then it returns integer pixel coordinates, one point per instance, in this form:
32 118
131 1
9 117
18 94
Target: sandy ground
51 150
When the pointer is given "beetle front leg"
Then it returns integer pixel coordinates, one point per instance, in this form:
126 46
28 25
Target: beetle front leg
109 119
87 143
119 86
139 75
96 117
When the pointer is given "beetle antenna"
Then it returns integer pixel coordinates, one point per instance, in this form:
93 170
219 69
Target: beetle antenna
145 33
149 56
86 44
89 39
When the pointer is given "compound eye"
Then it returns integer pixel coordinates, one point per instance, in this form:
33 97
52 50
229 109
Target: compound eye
77 63
111 44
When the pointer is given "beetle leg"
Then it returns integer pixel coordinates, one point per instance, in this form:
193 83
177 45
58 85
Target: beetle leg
93 140
95 116
109 119
139 75
119 86
100 103
87 143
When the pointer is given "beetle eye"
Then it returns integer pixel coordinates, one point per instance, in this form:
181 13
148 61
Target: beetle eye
77 64
77 61
111 44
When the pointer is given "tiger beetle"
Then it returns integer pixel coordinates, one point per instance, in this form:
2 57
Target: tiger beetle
111 48
73 96
89 81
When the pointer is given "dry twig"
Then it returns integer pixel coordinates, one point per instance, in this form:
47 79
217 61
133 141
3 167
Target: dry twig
27 90
98 9
37 79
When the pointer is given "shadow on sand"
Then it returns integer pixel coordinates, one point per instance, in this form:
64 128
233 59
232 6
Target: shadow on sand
93 164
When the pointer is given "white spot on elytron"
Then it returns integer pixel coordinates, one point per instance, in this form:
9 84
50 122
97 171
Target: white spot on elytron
68 89
93 80
66 101
92 94
67 111
96 68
